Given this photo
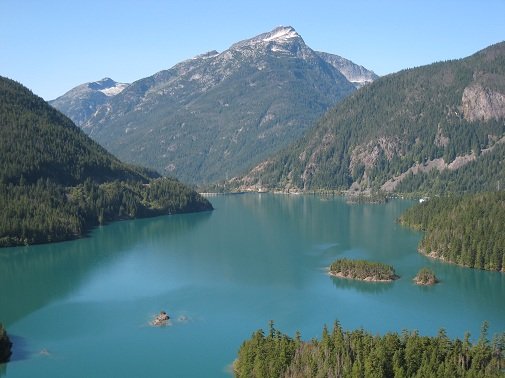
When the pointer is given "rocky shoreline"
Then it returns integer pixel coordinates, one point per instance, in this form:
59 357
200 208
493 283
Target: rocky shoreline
366 279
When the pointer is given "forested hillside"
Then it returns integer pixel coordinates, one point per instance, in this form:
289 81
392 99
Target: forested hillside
466 230
358 353
430 118
55 182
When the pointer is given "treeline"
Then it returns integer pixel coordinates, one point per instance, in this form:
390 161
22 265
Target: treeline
47 212
5 345
358 353
467 230
363 269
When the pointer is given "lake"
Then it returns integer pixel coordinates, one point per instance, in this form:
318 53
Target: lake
82 308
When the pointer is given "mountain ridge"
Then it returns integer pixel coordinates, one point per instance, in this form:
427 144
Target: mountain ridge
217 114
81 102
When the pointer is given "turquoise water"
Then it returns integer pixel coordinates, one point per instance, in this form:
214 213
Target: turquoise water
81 308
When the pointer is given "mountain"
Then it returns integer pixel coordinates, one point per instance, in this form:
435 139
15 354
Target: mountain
440 125
55 182
82 101
218 114
356 74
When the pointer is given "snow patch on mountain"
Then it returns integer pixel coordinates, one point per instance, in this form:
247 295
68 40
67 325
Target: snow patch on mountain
112 91
282 34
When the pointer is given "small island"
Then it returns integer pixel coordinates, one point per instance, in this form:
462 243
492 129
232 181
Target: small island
5 345
160 320
362 270
425 277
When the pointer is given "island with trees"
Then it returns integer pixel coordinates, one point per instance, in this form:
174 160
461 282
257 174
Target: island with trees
425 277
362 270
5 345
358 353
467 230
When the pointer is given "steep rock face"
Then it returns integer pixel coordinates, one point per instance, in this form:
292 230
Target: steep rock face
439 117
482 104
218 114
356 74
81 102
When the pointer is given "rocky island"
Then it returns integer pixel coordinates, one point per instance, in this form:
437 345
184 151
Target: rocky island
362 270
425 277
160 320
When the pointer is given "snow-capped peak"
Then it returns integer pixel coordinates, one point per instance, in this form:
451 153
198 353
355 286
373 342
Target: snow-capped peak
281 34
108 86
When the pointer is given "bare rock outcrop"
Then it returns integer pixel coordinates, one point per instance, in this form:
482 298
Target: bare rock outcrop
480 103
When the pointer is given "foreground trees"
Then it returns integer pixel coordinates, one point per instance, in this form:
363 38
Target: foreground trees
358 353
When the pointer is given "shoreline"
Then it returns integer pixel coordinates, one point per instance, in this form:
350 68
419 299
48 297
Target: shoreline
420 283
366 279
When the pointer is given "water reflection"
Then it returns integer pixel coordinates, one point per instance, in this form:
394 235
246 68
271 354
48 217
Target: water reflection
362 287
20 350
31 277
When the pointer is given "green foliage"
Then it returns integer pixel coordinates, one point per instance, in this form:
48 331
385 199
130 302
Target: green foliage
46 212
425 276
467 230
265 356
398 121
363 269
56 183
358 353
5 345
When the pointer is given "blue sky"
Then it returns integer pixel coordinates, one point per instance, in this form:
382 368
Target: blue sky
52 46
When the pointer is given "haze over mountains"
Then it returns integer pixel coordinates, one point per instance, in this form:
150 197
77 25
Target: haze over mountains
214 116
436 128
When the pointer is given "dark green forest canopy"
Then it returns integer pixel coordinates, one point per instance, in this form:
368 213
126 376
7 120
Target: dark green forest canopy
362 270
467 230
56 183
358 353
